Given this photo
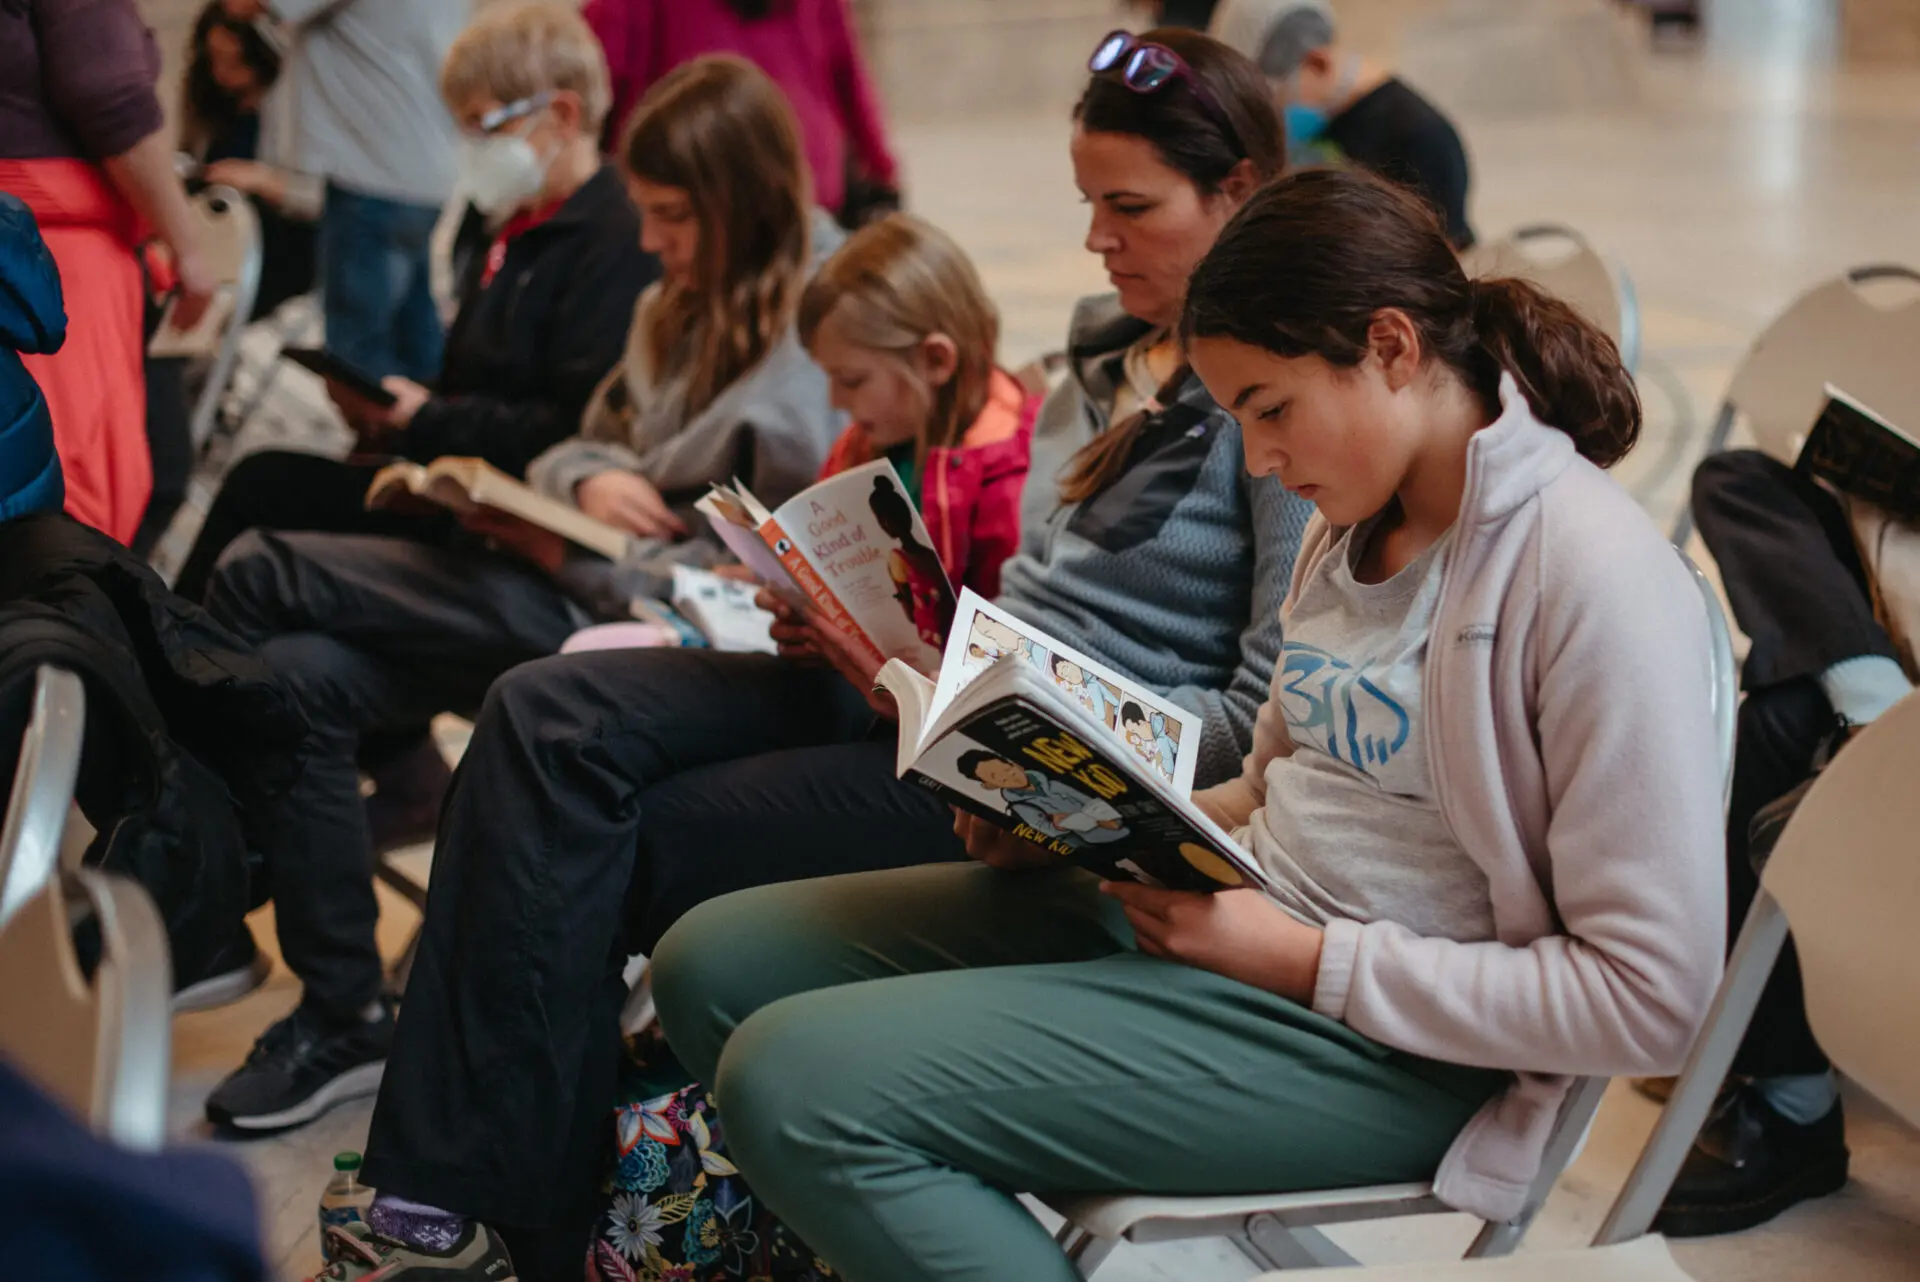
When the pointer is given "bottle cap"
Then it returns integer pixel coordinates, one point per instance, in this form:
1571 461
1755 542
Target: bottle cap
346 1161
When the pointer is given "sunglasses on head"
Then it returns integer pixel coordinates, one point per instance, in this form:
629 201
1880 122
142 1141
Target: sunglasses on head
1146 66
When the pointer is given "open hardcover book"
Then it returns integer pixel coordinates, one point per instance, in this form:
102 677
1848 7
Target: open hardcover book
1052 746
855 550
464 484
1862 454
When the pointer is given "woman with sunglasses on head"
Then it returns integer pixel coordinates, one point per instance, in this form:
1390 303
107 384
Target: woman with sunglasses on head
1491 869
543 308
604 794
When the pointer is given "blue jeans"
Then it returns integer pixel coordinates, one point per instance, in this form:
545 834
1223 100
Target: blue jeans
375 286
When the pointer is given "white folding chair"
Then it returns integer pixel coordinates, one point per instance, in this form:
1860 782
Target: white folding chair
1834 333
230 232
1844 878
1561 261
1282 1230
99 1043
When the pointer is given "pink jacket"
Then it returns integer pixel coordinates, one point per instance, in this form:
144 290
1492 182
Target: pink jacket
806 46
969 493
1573 751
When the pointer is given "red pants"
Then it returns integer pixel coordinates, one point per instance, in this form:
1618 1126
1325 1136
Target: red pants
96 383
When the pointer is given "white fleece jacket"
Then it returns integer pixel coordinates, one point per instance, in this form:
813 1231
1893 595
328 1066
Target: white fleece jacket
1569 727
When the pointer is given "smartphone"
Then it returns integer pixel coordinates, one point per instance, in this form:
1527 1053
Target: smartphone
350 376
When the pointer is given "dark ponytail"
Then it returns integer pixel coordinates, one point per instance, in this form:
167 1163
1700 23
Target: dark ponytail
1305 266
1201 141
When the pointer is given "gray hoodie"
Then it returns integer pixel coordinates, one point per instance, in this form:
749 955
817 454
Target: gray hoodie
362 90
771 427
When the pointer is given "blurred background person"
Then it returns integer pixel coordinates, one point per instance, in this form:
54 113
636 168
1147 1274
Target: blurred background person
371 123
806 46
1340 104
83 144
235 127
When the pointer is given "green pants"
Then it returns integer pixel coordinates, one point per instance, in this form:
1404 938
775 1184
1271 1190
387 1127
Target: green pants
896 1054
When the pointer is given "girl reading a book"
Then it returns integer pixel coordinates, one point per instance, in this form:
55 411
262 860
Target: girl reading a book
903 327
1522 888
604 794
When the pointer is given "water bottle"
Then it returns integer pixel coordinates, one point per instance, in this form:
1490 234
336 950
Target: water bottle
345 1201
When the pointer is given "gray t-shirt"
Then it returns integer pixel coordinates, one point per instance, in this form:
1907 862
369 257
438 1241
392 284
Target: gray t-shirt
1351 827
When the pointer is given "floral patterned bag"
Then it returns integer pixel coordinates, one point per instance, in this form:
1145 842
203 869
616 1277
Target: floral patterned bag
678 1210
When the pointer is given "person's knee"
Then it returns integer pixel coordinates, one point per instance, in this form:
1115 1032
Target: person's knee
1725 482
246 579
709 973
787 1091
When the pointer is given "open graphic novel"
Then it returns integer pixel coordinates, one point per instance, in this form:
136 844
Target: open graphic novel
1056 748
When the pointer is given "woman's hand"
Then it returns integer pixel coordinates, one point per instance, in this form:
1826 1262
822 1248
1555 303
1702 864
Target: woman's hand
408 397
249 176
997 848
628 501
1237 933
197 284
539 545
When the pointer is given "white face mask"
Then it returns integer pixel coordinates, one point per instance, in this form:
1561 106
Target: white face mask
502 172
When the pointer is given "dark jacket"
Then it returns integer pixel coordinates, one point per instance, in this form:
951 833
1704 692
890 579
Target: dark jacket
530 344
190 739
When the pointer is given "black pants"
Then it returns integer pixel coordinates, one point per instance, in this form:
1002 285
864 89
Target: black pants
170 443
602 796
1793 576
373 634
286 490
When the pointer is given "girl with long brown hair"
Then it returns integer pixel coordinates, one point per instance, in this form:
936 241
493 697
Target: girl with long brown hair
1484 787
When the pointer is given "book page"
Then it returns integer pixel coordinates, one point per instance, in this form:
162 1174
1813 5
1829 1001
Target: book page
1160 734
1024 757
873 561
723 610
489 486
747 546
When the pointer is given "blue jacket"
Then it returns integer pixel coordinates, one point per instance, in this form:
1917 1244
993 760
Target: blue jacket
32 319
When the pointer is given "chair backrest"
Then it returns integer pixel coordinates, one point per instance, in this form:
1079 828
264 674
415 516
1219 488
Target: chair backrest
1725 669
1847 874
1834 333
100 1042
1561 261
230 233
42 788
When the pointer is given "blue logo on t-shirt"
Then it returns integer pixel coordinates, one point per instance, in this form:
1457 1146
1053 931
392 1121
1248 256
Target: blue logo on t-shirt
1332 705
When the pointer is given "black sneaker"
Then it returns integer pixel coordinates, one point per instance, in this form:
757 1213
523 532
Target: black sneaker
1749 1164
300 1068
234 971
360 1253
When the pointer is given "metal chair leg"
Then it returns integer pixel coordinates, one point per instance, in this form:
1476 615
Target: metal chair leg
1761 940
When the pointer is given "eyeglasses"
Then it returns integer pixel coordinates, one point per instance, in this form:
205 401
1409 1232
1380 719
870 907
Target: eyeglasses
499 116
1145 66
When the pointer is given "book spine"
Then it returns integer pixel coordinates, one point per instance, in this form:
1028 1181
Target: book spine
822 596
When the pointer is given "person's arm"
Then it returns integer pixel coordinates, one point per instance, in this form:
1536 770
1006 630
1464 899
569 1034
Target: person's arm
294 13
859 108
1633 782
1278 520
583 339
97 70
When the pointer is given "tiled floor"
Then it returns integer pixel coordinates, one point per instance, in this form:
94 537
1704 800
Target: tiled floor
1732 177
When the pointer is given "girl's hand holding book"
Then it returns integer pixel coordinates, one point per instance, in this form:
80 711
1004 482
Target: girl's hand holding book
1237 933
628 501
856 665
